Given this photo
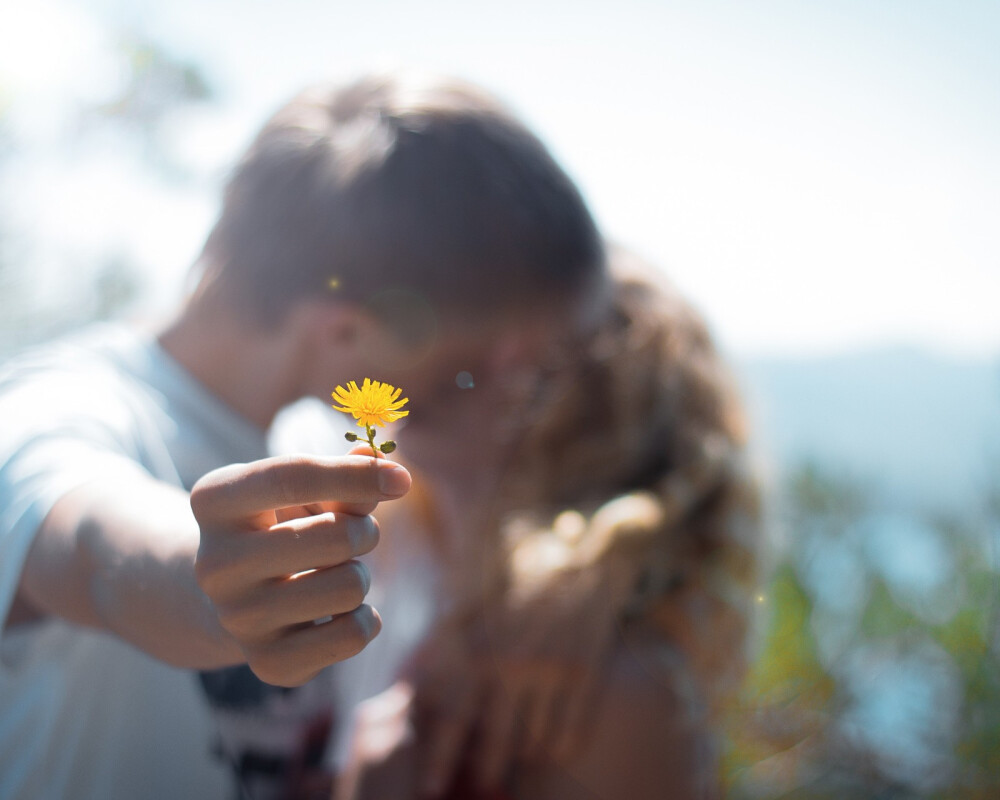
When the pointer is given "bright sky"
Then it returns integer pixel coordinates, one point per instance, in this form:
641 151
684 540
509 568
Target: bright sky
816 177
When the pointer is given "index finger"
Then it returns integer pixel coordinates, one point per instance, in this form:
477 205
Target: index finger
241 493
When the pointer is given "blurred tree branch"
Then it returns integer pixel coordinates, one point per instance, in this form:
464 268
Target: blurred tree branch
155 87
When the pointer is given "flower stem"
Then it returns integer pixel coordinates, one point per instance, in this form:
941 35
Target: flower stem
371 439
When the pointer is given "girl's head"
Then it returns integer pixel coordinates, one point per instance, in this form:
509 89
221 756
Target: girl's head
633 459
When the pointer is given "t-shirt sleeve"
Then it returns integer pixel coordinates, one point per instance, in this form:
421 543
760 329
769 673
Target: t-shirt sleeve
57 433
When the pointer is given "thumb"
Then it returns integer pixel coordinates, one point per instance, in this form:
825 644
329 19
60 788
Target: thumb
364 449
360 449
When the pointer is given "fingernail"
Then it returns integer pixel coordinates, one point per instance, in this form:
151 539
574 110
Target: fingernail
360 531
366 576
393 480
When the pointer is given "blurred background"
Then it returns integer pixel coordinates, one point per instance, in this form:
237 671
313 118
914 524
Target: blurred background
823 180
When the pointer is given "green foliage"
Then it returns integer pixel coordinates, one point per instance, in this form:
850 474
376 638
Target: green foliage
785 696
789 667
806 726
883 618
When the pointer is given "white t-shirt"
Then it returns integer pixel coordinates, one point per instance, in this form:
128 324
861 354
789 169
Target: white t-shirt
82 714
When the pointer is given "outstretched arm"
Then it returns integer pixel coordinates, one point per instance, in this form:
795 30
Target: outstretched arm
239 571
118 554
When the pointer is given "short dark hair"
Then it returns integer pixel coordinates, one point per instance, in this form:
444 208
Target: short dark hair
432 187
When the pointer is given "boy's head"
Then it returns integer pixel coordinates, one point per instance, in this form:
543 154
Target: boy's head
437 229
418 199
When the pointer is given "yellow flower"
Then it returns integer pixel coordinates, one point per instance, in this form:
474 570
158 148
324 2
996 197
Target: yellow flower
374 403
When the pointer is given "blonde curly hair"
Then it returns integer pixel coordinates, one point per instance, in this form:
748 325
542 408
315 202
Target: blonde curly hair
634 464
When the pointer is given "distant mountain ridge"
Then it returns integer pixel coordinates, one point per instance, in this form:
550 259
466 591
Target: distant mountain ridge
924 429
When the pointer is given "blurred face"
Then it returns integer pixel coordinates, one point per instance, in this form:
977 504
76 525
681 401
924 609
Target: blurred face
471 392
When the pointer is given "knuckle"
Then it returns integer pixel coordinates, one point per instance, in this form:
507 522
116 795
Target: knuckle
286 475
346 586
203 496
272 668
354 636
220 566
357 585
214 488
350 598
363 534
283 663
245 620
210 570
234 624
356 630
